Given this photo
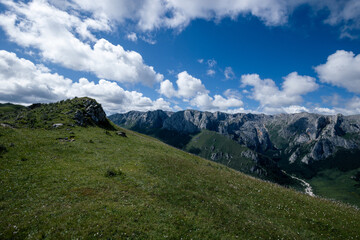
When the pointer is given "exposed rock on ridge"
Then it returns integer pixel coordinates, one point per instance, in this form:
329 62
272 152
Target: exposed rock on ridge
91 111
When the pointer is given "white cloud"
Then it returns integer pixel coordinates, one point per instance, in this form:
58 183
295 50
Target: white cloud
200 60
177 14
229 73
132 37
295 109
341 69
188 87
152 14
167 89
114 98
23 82
65 39
344 13
350 107
295 84
324 111
211 63
177 108
192 90
290 109
269 95
210 72
232 93
354 103
148 40
225 103
218 103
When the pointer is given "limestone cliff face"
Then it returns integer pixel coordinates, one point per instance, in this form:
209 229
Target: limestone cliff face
321 136
302 137
140 120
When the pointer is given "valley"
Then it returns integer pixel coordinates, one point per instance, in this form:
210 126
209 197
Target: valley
288 149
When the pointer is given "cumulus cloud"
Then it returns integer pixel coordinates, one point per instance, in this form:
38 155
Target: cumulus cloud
192 90
269 95
344 13
24 82
229 73
290 109
21 81
341 69
216 103
65 39
324 111
188 87
177 14
210 72
295 84
152 14
132 37
350 107
167 89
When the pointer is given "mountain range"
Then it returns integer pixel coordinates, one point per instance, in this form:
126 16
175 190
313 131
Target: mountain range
323 150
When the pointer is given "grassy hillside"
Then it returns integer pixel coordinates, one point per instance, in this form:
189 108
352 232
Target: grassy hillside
8 107
101 185
208 142
219 148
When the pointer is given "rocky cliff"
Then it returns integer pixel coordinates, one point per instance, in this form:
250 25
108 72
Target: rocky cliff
302 137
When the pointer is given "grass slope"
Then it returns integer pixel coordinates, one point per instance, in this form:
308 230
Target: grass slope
104 185
207 143
219 148
88 182
9 107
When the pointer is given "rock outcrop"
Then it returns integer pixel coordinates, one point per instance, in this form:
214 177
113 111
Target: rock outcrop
77 111
90 112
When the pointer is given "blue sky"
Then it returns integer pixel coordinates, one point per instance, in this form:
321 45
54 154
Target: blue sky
233 56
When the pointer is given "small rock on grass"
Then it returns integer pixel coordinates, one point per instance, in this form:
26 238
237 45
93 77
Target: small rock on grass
123 134
57 125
